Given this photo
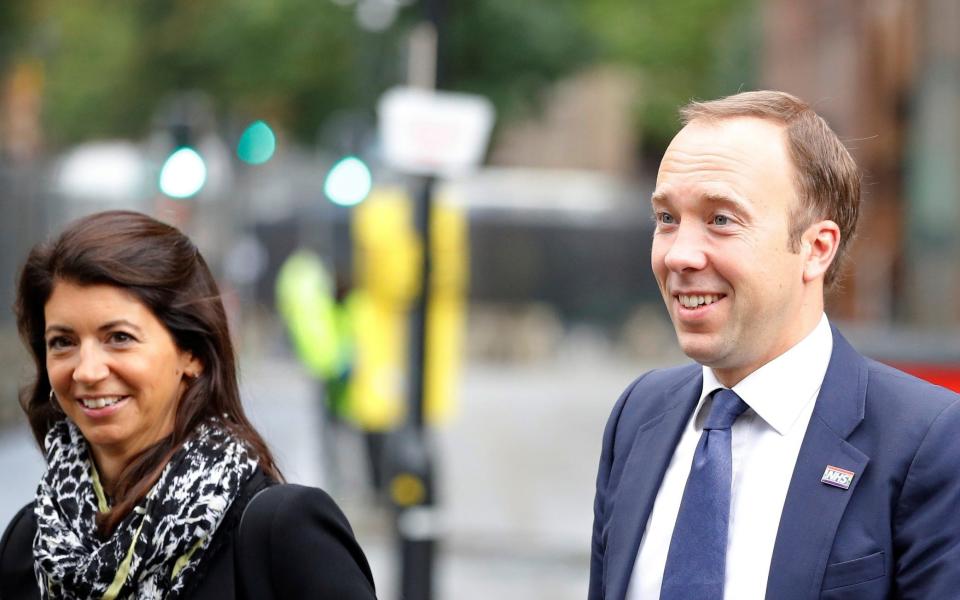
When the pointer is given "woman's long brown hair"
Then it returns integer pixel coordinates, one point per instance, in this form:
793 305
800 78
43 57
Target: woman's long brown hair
162 268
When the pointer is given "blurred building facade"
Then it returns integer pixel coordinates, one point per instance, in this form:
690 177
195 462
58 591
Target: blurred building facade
586 123
886 75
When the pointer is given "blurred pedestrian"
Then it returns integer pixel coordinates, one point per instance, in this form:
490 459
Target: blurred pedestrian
321 313
157 485
783 465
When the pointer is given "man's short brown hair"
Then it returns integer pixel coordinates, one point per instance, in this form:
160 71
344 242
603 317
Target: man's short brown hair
827 180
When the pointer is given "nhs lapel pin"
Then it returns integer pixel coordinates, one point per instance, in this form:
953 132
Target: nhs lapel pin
837 477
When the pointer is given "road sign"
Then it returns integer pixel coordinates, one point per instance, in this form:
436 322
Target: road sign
425 132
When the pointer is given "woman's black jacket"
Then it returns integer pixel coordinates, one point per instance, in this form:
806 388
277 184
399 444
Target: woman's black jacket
294 543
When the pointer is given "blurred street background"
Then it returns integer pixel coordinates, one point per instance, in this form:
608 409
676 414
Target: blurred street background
268 131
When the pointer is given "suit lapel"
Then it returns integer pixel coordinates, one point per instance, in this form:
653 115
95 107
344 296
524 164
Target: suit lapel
812 511
643 472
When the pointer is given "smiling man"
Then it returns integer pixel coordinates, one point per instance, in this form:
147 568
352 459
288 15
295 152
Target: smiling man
783 465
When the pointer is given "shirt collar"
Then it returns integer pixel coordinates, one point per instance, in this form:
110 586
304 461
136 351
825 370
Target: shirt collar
779 390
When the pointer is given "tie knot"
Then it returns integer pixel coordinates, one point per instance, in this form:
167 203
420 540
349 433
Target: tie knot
727 406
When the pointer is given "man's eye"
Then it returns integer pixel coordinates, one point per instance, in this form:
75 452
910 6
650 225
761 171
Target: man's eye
665 218
721 220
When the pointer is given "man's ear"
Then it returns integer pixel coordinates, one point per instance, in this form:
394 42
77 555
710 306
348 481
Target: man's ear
818 246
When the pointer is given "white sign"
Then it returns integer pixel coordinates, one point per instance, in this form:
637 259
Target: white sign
115 171
425 132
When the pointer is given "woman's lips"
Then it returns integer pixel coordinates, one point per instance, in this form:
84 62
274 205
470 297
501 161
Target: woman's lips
101 406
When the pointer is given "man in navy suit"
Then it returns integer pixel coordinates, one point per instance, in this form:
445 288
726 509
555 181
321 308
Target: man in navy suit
839 477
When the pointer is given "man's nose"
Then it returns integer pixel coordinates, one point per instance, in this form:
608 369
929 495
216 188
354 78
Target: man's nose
687 250
91 365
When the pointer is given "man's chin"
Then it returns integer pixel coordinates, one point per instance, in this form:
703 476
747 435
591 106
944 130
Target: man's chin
702 348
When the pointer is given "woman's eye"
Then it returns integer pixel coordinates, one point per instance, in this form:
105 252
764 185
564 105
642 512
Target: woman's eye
58 343
119 337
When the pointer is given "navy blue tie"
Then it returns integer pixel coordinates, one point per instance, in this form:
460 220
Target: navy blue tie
696 561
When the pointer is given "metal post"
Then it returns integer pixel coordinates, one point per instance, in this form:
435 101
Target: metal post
422 217
409 451
411 473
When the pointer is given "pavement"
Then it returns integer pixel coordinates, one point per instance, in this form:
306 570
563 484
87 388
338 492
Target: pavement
515 470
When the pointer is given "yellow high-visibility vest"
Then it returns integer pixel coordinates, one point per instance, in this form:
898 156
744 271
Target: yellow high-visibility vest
306 303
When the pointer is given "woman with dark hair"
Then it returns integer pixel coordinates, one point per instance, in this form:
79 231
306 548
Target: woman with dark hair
154 473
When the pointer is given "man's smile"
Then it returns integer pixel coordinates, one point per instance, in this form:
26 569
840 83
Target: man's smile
697 300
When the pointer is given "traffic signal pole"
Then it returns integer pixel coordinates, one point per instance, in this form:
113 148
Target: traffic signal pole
408 117
422 220
412 481
417 520
408 455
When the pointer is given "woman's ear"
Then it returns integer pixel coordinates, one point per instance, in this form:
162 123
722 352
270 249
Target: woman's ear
190 365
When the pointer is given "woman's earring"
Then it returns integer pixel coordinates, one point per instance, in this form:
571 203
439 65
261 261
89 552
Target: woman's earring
53 401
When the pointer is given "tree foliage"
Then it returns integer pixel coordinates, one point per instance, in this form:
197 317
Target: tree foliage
685 49
109 65
510 51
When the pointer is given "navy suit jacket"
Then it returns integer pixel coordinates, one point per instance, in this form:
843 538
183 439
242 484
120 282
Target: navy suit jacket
895 533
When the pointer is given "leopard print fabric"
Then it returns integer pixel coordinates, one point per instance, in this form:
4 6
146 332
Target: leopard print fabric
176 519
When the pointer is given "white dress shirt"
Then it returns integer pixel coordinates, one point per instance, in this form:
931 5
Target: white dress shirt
765 442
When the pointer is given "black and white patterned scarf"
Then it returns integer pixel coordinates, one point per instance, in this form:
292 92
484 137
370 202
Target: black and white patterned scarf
154 550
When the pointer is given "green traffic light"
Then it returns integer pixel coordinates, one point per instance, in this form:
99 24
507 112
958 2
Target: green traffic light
257 144
348 182
183 174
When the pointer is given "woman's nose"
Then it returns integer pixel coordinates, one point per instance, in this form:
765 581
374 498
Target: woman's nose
91 366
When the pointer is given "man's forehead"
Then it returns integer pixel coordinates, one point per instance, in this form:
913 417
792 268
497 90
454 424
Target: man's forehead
719 174
724 158
748 136
744 139
719 196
